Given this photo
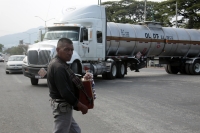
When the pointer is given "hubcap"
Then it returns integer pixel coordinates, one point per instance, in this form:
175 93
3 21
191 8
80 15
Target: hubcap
197 67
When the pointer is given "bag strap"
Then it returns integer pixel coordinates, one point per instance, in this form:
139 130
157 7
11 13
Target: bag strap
78 83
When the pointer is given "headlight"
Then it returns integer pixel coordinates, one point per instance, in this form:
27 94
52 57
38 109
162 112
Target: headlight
25 60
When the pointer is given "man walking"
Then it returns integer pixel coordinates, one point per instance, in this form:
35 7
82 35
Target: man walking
60 80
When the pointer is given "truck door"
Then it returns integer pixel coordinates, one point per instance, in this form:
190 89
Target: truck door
99 40
83 49
87 49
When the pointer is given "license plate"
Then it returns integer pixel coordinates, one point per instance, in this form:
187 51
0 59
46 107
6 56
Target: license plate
38 77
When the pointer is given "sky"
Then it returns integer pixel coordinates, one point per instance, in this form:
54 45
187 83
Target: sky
19 15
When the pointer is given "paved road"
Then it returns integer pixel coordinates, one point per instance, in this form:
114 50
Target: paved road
147 102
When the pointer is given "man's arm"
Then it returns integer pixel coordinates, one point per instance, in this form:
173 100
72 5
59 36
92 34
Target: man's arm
82 107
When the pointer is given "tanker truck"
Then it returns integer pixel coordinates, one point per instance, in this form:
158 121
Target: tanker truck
109 49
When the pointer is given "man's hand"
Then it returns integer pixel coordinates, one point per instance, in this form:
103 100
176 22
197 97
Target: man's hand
82 107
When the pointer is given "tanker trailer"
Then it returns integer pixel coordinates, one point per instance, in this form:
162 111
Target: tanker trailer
177 48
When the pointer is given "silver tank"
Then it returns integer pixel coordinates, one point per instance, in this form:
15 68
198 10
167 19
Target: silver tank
151 39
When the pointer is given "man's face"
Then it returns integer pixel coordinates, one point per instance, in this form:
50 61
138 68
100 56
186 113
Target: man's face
65 53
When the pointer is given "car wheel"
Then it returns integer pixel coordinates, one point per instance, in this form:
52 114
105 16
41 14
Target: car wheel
7 72
34 81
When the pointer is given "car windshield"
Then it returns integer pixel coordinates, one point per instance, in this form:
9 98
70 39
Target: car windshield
16 58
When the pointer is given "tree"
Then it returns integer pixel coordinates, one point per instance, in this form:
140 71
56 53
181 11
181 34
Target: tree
132 11
1 47
128 11
188 12
17 50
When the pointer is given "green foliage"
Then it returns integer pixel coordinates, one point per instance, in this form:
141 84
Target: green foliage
132 11
124 11
188 12
1 47
17 50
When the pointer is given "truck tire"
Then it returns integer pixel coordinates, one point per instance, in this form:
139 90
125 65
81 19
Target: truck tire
172 69
182 70
76 67
104 75
187 69
34 81
195 68
113 71
121 70
166 68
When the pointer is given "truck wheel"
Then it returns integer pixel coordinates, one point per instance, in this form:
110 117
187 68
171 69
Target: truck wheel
172 69
121 70
104 75
34 81
182 70
166 68
187 69
113 71
76 67
195 68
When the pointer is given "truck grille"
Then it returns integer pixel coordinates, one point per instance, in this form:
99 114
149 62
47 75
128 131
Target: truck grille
39 57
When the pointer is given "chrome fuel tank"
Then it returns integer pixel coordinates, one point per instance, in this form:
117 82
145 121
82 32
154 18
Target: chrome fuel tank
151 39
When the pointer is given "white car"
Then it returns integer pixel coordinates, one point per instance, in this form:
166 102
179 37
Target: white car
14 63
1 58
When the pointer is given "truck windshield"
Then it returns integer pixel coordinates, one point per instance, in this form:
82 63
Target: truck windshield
57 33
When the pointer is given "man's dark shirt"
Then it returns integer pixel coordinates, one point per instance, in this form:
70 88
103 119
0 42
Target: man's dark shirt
60 85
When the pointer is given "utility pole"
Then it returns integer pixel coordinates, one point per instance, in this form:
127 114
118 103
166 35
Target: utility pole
99 2
45 21
176 14
145 12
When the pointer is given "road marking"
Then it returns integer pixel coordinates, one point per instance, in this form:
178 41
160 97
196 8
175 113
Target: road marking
17 79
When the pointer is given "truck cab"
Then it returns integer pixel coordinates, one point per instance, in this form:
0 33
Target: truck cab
40 54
